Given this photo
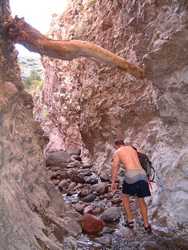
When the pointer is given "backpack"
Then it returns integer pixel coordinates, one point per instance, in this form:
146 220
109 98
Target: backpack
147 166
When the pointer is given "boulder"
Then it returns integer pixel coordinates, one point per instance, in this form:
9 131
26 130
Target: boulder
105 177
97 210
60 158
71 193
108 196
59 175
89 198
79 207
100 188
111 214
75 177
84 192
71 186
91 224
91 180
88 209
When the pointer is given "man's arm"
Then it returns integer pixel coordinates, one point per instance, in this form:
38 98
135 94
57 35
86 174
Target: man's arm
115 169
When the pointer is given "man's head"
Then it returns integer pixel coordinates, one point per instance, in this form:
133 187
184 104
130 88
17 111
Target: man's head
119 143
134 148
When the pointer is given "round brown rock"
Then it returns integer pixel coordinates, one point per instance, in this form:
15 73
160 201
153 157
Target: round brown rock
91 224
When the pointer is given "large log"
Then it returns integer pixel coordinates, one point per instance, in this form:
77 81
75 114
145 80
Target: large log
21 32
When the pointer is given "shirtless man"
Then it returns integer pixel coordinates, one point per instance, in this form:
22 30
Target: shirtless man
135 182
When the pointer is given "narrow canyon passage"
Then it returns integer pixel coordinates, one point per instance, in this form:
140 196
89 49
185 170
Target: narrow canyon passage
53 177
100 211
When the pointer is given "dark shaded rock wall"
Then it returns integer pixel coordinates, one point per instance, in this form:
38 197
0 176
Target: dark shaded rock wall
96 103
26 198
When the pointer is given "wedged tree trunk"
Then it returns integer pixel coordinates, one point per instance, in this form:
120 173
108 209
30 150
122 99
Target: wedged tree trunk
21 32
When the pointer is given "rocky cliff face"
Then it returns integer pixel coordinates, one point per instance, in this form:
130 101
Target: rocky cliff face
30 208
89 103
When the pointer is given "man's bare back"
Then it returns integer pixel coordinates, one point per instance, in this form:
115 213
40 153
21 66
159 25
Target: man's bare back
129 157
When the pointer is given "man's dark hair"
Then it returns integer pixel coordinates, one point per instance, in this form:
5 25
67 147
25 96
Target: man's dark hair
119 142
134 148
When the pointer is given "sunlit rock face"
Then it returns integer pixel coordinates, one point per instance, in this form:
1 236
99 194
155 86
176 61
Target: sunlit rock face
26 198
92 103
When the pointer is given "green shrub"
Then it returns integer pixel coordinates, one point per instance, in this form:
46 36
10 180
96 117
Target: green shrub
33 81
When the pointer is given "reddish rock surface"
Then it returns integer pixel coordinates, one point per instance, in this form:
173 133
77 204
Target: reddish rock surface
91 224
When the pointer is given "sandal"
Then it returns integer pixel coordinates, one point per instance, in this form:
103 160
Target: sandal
148 229
129 224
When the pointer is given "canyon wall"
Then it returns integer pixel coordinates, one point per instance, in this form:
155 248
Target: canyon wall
30 208
88 104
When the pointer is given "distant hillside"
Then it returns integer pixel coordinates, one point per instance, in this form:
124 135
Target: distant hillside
30 64
31 72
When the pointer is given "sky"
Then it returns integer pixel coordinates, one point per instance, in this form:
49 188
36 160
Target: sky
37 13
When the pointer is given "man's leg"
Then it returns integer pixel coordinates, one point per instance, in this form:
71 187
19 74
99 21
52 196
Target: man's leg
143 211
126 204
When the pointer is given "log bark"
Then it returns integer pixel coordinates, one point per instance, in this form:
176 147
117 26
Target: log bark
21 32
